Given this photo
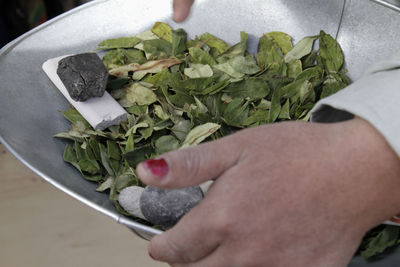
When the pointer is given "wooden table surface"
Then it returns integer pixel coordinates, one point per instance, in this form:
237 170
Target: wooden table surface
42 226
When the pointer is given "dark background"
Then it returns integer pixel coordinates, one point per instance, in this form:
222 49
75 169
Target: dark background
19 16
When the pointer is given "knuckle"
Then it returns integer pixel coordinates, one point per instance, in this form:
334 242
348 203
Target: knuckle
178 251
224 225
191 162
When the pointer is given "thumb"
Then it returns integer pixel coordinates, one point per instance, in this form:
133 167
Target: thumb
191 166
181 9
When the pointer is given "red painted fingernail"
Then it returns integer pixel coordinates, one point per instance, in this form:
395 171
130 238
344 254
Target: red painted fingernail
158 167
151 256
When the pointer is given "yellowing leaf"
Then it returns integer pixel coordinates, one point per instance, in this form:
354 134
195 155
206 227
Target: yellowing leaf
199 133
139 94
162 30
283 40
198 71
302 48
153 66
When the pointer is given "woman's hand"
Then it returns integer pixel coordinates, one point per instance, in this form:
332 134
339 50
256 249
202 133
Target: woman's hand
286 194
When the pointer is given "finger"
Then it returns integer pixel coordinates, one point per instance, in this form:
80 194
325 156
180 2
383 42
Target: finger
181 9
191 166
191 239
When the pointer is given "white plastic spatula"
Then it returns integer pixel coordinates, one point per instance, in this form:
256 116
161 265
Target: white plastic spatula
100 112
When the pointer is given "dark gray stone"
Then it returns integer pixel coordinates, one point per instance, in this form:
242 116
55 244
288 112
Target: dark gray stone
84 76
165 207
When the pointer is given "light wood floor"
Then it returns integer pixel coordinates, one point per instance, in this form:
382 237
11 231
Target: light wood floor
41 226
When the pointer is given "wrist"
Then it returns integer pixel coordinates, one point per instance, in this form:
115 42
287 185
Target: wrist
373 172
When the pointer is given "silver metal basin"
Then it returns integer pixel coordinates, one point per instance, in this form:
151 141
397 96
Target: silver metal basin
29 103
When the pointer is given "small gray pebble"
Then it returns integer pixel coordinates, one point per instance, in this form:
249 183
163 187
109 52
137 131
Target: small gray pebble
84 76
129 198
165 207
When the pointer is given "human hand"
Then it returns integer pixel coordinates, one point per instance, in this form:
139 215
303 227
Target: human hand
182 9
283 193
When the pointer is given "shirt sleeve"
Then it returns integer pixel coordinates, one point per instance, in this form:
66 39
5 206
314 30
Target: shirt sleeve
375 97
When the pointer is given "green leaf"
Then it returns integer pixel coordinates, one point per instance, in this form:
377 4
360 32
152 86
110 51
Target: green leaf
124 180
107 184
252 88
245 65
178 42
384 239
200 56
157 49
269 55
301 49
227 68
139 94
152 66
105 160
160 113
74 116
123 42
283 40
89 166
330 53
166 143
70 156
212 41
297 90
94 145
312 74
80 152
259 117
285 113
138 155
120 57
162 30
236 112
275 106
198 71
181 129
238 49
113 150
199 133
137 110
331 86
130 143
294 68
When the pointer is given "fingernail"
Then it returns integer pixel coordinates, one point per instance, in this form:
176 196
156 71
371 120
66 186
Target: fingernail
158 167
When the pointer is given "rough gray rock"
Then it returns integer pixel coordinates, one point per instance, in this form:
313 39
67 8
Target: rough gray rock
165 207
84 76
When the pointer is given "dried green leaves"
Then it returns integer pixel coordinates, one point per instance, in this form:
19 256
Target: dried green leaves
180 92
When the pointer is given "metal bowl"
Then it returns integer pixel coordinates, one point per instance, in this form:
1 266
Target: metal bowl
29 103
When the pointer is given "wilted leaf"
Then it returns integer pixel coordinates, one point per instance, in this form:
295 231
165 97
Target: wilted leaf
283 40
178 42
252 88
200 56
166 143
199 134
330 52
236 112
162 30
139 94
198 71
154 66
123 42
107 184
301 49
214 42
